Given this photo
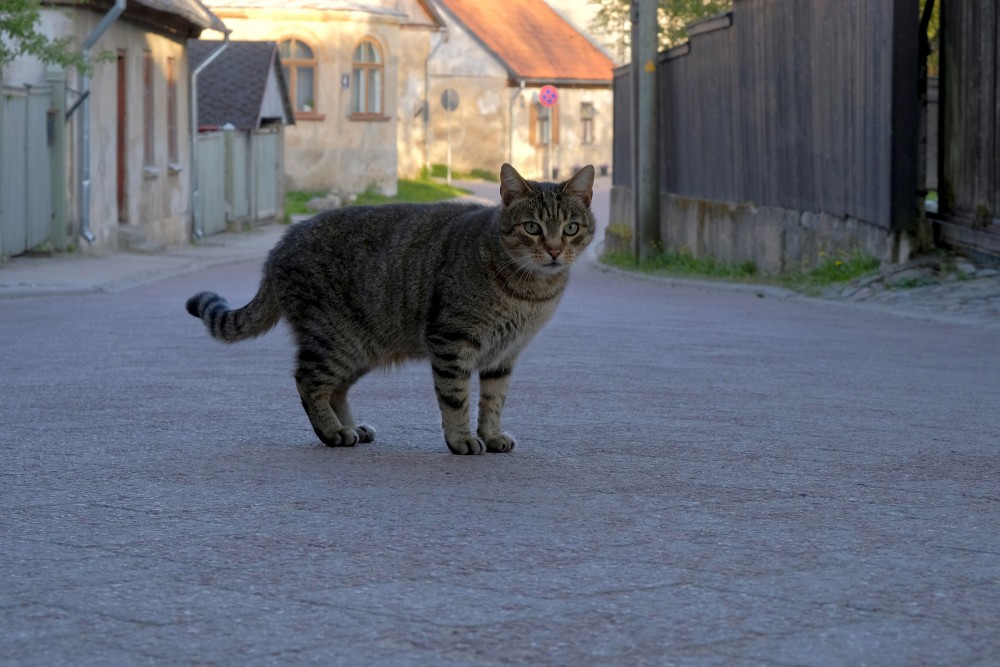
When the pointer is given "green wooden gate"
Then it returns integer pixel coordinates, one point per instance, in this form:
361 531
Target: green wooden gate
25 170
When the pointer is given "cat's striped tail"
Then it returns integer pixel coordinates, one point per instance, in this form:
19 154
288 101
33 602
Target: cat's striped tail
257 317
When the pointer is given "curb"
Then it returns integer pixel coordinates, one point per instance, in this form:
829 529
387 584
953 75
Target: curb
781 293
176 260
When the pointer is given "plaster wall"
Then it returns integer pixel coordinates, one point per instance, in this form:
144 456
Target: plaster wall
156 195
330 150
416 43
492 123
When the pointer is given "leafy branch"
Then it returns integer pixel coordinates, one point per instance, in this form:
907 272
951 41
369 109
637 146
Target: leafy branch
612 19
19 35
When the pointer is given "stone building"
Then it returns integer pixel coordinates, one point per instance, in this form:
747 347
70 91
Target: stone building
366 81
354 73
119 163
498 57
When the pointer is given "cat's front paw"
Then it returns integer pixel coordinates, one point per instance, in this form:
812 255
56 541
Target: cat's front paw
468 444
365 433
501 442
345 437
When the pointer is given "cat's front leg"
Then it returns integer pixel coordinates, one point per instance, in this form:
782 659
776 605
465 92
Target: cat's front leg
493 384
451 384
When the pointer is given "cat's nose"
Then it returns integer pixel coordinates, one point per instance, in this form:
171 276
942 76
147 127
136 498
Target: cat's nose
555 252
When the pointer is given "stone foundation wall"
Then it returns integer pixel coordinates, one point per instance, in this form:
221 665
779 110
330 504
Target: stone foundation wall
775 239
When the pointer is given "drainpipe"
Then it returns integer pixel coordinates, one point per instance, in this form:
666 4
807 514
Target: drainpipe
510 130
427 98
195 194
84 188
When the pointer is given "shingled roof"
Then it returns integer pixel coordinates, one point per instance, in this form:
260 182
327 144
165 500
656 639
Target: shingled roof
233 88
532 41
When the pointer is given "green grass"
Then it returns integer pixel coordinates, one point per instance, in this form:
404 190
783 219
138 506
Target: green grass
485 175
295 202
830 272
683 265
411 192
441 171
407 191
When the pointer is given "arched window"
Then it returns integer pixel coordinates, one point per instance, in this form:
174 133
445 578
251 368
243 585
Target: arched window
366 99
298 61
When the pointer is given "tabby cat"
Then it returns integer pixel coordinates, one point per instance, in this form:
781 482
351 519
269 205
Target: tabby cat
464 284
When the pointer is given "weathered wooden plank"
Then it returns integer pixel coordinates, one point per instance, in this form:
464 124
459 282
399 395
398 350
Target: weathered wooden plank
785 104
14 117
210 152
622 148
38 193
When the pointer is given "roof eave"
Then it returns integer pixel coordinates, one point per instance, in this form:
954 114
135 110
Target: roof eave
279 74
565 83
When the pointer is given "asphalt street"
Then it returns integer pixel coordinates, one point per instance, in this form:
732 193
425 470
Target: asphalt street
702 477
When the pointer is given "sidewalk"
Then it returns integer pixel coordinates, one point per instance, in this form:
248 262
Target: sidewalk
81 273
113 272
968 295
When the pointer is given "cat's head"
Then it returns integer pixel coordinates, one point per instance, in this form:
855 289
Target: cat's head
545 227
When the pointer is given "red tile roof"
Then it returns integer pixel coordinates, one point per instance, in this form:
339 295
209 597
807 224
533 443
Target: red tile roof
533 41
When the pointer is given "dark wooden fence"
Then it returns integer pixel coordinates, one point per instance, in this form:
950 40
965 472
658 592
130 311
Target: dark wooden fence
805 105
791 104
969 198
621 175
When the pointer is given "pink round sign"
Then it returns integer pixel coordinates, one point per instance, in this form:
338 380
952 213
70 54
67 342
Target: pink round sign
548 96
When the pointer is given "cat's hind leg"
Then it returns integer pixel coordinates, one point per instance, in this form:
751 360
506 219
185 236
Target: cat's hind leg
323 383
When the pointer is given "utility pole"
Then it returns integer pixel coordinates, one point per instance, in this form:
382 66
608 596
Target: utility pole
646 146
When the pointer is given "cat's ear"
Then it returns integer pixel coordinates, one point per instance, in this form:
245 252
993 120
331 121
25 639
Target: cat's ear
512 185
581 186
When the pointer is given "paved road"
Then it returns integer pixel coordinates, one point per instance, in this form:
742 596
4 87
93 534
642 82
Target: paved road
702 478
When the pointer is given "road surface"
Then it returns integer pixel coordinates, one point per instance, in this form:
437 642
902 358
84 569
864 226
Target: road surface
702 477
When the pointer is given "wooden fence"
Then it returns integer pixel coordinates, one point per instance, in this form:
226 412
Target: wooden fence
798 106
25 172
969 197
239 177
793 104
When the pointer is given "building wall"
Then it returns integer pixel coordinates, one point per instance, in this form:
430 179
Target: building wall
332 151
416 43
570 151
157 197
492 123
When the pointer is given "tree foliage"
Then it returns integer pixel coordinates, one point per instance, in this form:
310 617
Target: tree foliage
930 28
612 19
19 36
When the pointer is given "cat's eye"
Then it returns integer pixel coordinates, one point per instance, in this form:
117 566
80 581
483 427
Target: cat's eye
532 227
571 229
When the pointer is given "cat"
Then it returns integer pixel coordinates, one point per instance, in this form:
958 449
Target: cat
460 283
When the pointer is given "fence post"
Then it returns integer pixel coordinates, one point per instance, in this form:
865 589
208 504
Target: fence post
3 105
646 177
56 78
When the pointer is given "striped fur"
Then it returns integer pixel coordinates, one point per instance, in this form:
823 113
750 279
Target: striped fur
463 285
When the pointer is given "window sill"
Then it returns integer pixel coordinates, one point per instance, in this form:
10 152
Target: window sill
369 117
150 172
174 168
309 115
